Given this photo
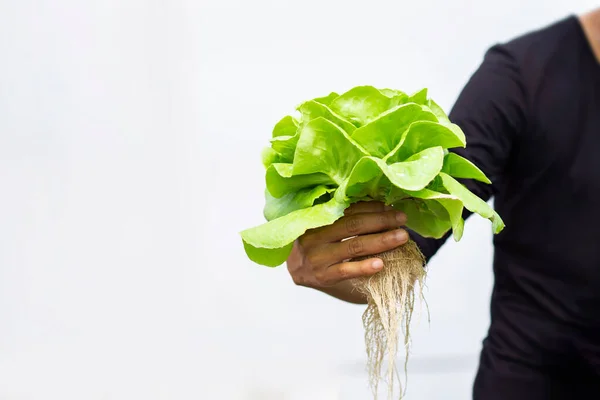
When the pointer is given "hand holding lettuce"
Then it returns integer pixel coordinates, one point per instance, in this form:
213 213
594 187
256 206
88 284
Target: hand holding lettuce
368 144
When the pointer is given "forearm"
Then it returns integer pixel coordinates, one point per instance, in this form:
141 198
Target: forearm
345 291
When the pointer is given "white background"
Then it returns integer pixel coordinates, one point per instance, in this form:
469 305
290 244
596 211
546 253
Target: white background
130 135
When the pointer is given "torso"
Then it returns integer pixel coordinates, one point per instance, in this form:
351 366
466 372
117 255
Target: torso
546 300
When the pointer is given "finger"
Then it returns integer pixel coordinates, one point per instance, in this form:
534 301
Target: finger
364 245
358 224
361 207
367 207
348 270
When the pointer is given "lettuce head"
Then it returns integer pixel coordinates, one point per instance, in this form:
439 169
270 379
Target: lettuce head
366 144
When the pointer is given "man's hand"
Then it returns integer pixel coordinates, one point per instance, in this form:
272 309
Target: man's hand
320 258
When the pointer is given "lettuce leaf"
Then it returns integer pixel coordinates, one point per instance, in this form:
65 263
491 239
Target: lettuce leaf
459 167
365 103
303 198
380 136
281 180
271 243
472 202
325 148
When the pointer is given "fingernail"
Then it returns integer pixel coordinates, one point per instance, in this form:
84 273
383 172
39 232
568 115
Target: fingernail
401 217
401 235
377 264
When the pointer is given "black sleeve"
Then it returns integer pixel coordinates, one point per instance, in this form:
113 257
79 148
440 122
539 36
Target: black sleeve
491 110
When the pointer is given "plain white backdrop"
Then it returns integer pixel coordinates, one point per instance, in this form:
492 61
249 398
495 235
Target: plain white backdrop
130 135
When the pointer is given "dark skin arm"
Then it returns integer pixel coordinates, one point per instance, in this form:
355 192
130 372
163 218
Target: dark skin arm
321 258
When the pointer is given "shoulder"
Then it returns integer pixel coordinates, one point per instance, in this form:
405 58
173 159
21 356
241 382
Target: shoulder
545 39
530 53
529 60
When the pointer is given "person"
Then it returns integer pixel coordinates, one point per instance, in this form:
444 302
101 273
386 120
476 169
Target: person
531 116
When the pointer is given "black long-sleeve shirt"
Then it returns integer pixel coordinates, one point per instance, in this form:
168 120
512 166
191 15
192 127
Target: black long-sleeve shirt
531 116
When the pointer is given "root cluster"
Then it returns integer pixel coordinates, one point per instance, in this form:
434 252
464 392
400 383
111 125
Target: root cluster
391 297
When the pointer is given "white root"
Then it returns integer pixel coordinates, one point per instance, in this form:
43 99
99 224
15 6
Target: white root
391 299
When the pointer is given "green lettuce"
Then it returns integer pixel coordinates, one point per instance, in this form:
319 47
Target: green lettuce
366 144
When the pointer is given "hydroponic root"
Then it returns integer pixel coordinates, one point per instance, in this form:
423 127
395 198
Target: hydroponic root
391 299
